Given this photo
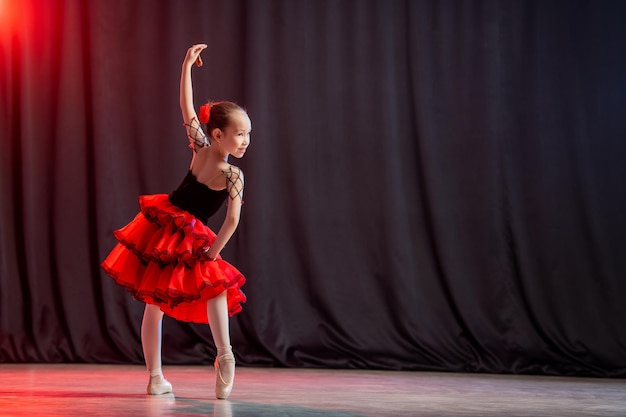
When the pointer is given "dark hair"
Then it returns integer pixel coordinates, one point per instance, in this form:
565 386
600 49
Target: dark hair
220 115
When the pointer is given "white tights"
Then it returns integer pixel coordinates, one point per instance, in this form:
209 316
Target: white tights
217 311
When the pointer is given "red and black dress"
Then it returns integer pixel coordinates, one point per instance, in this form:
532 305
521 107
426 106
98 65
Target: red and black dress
159 258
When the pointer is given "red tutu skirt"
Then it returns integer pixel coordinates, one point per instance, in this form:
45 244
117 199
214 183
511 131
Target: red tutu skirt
159 261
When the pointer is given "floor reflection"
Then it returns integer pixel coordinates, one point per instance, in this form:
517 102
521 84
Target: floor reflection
119 391
228 408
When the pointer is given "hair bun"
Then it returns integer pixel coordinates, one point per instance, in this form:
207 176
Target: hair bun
205 113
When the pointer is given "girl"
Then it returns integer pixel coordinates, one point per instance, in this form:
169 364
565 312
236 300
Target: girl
168 258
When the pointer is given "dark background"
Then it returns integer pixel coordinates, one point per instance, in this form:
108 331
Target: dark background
431 185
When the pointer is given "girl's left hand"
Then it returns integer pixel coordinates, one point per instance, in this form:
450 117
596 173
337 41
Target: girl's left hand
193 53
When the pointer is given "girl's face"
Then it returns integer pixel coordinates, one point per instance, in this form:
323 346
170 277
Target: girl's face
236 136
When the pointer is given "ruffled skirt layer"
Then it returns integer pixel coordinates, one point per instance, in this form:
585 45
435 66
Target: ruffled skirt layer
159 261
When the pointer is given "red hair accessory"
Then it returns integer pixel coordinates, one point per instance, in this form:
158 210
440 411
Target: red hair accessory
205 113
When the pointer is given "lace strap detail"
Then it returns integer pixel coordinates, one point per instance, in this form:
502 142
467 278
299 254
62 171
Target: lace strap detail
195 134
234 182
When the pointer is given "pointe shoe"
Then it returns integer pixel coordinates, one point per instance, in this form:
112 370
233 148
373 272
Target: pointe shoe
162 387
223 388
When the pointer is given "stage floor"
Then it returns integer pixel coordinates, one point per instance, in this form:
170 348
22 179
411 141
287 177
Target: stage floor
118 390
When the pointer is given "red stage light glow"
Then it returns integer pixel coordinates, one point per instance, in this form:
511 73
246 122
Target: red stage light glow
4 10
9 16
5 15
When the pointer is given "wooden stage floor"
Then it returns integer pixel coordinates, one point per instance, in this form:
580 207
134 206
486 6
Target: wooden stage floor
118 390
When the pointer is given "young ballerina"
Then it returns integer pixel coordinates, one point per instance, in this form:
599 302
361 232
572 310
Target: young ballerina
168 258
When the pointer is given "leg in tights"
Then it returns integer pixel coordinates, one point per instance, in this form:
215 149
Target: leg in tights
217 310
151 341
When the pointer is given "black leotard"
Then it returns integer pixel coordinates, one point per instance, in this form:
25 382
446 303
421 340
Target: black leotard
197 198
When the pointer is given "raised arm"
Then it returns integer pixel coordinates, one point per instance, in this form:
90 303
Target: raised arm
194 130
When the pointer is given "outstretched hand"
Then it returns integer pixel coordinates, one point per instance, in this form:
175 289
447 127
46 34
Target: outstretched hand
193 54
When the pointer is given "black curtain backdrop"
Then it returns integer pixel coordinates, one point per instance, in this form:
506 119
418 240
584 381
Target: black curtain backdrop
431 185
